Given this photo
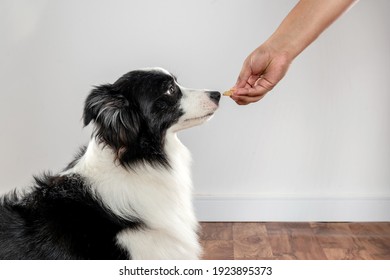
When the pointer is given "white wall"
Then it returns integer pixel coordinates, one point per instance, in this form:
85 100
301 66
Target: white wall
316 148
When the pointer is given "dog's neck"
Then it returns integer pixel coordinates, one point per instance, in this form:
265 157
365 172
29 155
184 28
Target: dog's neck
100 156
117 184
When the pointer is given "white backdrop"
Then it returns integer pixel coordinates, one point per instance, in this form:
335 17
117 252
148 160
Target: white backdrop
316 148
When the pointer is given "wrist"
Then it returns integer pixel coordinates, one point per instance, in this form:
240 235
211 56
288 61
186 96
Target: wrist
284 45
281 48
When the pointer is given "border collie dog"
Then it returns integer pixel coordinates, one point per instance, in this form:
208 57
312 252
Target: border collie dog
127 195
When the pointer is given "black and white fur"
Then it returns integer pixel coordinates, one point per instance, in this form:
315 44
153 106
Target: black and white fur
127 195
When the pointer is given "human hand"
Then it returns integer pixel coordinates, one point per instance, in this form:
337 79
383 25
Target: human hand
260 73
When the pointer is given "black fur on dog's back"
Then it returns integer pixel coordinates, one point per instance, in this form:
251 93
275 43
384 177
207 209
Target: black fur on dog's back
60 219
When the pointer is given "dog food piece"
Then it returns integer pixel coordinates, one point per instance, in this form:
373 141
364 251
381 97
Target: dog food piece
228 92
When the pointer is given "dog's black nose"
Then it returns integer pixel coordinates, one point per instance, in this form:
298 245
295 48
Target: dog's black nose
215 96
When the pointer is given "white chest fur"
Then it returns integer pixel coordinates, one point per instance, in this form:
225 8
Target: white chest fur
160 197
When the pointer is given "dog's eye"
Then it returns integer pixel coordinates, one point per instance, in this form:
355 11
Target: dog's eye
171 90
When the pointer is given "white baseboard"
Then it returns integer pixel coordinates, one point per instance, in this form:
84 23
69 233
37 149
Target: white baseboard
241 208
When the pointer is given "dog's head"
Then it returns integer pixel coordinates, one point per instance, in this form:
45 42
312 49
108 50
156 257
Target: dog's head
134 114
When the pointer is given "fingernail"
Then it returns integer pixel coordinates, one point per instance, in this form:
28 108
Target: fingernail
236 92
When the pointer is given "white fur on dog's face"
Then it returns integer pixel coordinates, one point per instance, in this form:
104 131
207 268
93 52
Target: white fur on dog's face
134 114
197 106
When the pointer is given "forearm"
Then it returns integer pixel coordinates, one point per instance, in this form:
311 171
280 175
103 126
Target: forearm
306 21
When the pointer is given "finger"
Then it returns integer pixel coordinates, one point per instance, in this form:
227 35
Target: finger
251 91
245 73
245 100
241 91
252 80
248 100
266 83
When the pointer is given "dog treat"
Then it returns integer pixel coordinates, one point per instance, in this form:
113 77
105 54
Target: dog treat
228 92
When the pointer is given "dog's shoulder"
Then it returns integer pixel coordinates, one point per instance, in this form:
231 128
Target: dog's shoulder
61 217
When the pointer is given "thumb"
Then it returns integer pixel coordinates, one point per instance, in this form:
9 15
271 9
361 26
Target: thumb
244 75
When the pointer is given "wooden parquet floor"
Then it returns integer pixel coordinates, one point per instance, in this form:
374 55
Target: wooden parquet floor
295 241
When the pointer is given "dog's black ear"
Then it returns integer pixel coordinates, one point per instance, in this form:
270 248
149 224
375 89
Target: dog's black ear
116 124
98 100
